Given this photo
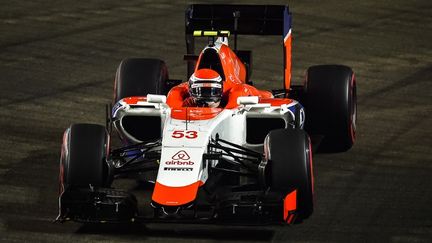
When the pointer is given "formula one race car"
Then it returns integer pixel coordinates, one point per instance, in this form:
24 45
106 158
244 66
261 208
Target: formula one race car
248 160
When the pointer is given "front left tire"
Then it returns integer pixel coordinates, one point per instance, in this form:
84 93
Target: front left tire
289 167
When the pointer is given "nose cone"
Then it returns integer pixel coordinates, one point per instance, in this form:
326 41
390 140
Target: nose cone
175 196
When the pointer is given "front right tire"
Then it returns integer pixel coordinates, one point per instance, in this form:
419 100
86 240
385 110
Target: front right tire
83 157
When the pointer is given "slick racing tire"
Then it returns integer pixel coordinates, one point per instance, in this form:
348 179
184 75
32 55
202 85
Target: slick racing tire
139 77
83 157
289 166
331 106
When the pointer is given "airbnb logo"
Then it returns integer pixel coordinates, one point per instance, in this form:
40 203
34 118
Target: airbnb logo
179 162
181 155
180 158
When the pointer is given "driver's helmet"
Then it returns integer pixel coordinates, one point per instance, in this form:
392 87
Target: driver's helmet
206 87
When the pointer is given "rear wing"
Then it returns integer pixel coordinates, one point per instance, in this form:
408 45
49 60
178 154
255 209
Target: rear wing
241 20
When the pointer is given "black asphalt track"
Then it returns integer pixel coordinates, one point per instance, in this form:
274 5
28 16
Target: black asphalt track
57 64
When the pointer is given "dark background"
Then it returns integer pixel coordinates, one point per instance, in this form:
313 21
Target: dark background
57 65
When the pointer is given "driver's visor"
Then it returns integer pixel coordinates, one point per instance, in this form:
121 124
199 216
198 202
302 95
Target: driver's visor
200 90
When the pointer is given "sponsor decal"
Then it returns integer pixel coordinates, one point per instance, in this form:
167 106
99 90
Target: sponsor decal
181 155
178 168
173 162
302 117
179 158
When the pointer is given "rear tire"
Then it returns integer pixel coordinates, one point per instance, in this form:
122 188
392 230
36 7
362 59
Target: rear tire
331 106
83 157
139 77
289 166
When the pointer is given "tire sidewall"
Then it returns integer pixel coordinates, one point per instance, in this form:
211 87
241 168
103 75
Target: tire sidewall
139 77
330 104
93 169
291 169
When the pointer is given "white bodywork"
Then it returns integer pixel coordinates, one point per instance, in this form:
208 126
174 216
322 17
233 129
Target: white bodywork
185 141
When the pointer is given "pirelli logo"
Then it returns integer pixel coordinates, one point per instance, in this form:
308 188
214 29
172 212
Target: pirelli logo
178 169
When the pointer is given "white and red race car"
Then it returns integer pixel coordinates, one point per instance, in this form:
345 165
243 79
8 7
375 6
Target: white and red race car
248 161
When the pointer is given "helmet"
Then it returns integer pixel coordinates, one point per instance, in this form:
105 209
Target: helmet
206 87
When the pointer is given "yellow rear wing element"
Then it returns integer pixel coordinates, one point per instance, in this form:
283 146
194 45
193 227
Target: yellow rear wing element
211 33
